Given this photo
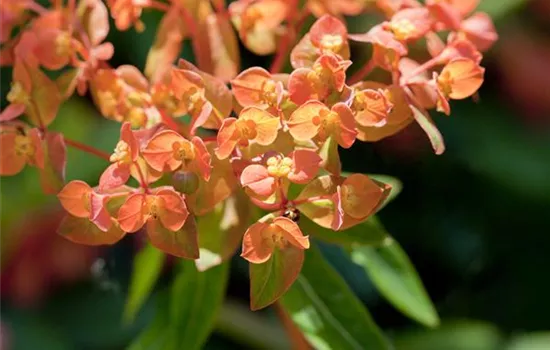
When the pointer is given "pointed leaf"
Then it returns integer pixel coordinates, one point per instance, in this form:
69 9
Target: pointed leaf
396 278
221 230
429 127
327 311
147 267
270 280
83 231
181 243
196 298
52 176
369 232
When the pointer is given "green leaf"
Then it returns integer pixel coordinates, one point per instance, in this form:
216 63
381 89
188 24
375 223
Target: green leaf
396 278
147 268
270 280
530 341
221 230
369 232
429 127
326 310
156 335
195 300
330 156
499 8
457 335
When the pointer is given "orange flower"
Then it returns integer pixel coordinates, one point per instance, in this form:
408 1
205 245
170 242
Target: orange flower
261 239
127 13
371 108
168 151
32 92
123 158
19 149
398 118
459 79
327 76
328 35
82 201
339 203
165 214
314 119
257 87
258 22
387 50
12 14
300 167
342 7
410 24
356 199
253 125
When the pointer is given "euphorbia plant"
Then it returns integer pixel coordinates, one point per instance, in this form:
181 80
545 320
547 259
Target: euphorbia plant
260 146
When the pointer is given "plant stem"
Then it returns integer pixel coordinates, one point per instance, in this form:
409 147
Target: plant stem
296 337
362 73
157 5
87 149
288 39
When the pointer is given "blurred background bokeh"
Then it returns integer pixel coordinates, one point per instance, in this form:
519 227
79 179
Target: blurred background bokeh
475 221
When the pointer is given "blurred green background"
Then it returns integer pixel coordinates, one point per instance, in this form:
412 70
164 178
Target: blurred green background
474 221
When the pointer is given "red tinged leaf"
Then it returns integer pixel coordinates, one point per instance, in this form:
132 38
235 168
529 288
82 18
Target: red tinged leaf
114 176
427 124
181 243
75 198
12 161
257 248
371 108
167 45
271 279
12 111
224 47
132 214
480 30
170 208
52 175
83 231
292 233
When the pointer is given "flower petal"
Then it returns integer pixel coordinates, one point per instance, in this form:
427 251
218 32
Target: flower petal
256 249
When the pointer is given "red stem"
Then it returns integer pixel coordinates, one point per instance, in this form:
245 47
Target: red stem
289 39
142 181
362 73
87 149
157 5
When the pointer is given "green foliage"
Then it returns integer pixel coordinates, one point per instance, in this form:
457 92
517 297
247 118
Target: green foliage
186 315
396 278
326 310
147 268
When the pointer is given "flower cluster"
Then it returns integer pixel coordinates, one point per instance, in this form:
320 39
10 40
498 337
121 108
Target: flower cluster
195 137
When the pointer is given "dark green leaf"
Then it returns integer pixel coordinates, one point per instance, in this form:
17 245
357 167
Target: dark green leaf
326 310
396 278
499 8
195 300
369 232
147 268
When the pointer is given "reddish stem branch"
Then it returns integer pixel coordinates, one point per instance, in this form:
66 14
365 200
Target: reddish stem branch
157 5
36 7
87 149
286 42
362 73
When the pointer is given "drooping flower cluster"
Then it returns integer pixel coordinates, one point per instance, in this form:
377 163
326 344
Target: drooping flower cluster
193 138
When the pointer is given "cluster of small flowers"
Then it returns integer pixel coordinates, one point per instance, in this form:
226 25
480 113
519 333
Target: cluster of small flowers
263 133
